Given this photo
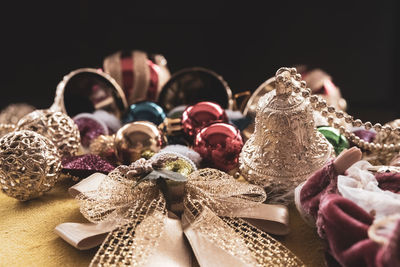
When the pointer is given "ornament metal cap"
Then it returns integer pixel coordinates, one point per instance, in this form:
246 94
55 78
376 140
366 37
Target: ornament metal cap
285 147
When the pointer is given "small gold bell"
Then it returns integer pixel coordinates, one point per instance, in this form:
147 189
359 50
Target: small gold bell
285 147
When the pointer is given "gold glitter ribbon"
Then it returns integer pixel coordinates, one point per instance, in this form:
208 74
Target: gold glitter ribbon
145 233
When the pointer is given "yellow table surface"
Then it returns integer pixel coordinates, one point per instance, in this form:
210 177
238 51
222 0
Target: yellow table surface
27 237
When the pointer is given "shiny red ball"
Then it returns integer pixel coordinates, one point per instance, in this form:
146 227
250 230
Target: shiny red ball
219 145
195 117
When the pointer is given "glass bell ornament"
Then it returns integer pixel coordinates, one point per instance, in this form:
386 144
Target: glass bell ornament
88 90
192 85
285 147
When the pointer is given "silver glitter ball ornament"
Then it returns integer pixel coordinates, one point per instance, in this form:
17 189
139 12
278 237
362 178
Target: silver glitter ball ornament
56 126
30 164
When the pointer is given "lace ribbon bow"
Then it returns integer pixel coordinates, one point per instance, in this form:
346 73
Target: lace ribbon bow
219 216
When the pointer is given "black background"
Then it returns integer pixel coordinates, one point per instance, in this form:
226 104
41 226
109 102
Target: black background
356 42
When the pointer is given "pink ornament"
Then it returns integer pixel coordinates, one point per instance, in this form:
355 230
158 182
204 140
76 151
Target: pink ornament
219 145
85 165
195 117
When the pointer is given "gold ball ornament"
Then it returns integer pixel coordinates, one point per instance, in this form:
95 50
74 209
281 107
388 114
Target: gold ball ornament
11 115
14 112
103 146
135 138
30 164
56 126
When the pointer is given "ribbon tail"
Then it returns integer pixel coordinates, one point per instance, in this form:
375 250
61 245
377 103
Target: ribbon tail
90 183
267 250
227 241
215 244
84 235
172 250
272 219
209 254
156 241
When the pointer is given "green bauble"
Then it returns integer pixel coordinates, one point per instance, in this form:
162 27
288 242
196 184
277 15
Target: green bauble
338 141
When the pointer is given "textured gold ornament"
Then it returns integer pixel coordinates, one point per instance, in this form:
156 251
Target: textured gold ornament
285 147
103 146
29 164
14 112
135 138
11 115
56 126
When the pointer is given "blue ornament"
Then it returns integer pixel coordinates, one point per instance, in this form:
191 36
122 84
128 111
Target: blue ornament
145 111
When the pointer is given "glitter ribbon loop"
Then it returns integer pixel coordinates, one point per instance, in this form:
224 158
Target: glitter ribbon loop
220 192
145 230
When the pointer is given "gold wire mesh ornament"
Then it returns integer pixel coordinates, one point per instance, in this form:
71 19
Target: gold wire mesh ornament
10 116
29 164
285 147
14 112
56 126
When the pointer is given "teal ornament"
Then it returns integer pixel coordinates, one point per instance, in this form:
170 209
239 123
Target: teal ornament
338 141
145 111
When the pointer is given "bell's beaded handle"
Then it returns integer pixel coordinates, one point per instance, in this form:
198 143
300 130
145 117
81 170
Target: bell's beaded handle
319 104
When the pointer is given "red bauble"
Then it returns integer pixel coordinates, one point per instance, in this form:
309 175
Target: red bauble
219 145
195 117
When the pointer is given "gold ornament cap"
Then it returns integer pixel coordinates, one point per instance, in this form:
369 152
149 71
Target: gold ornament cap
285 147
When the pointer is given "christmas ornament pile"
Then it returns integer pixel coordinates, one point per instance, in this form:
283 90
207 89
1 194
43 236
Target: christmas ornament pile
175 144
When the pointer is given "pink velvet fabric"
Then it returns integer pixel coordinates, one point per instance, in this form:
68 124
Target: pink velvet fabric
344 225
389 181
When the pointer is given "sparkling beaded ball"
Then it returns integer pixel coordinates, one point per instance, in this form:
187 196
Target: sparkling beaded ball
56 126
29 164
